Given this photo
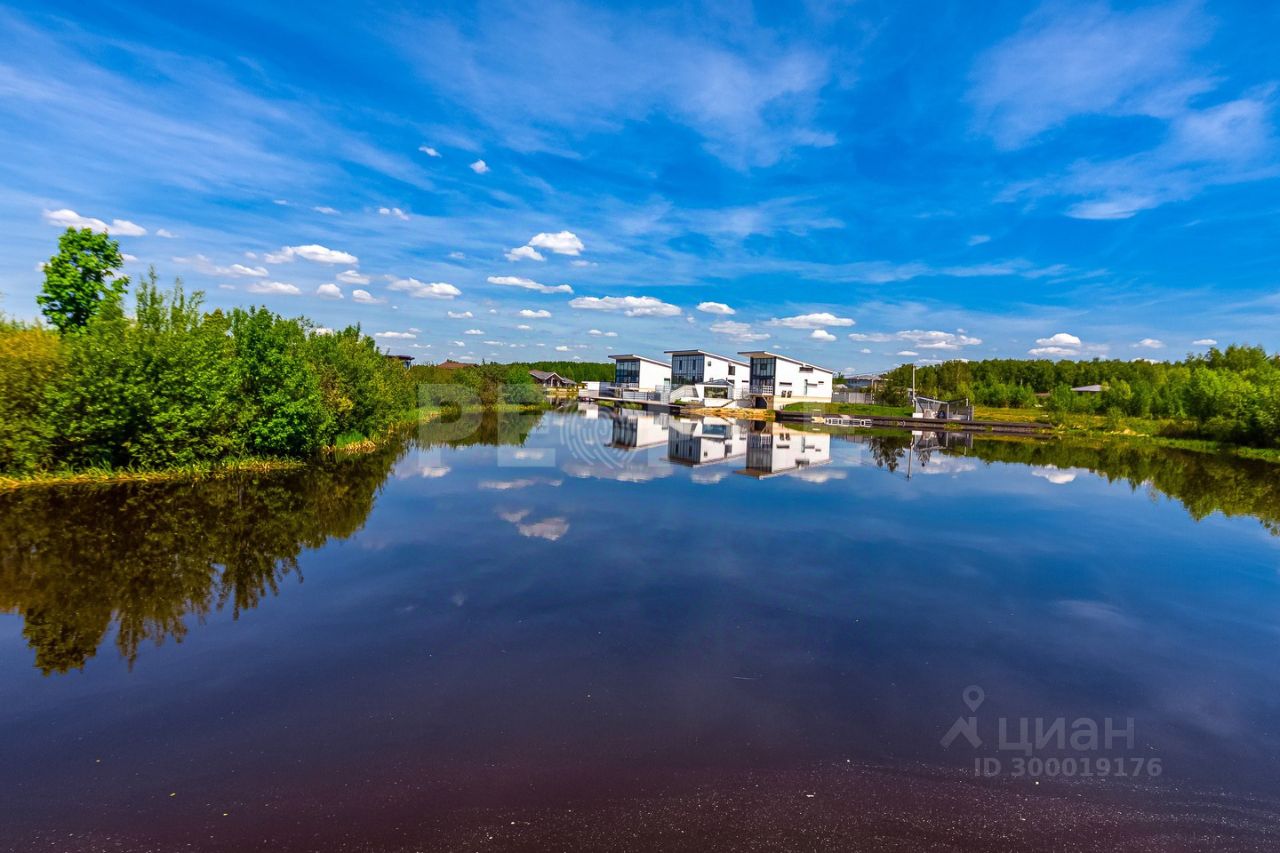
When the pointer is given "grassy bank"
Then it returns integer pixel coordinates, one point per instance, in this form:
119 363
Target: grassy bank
194 472
346 446
850 409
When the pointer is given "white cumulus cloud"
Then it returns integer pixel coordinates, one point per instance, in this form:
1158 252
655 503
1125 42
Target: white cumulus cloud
460 315
561 242
715 308
352 277
248 272
473 332
1150 343
937 340
525 253
311 252
329 291
1061 339
364 297
739 332
822 335
396 336
66 218
596 333
424 290
1205 342
632 306
529 284
394 211
428 150
532 314
811 321
480 167
1061 344
278 288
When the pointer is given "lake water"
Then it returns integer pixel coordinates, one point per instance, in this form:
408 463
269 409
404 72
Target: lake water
591 630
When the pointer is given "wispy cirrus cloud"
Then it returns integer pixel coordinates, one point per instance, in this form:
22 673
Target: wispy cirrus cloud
748 110
1069 63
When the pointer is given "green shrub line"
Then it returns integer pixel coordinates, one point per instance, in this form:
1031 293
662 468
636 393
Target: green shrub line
1229 395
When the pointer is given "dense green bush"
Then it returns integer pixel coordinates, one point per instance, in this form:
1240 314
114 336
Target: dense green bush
31 360
173 385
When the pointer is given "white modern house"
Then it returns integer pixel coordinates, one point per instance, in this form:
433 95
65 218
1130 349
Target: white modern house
639 373
778 380
778 450
706 441
700 375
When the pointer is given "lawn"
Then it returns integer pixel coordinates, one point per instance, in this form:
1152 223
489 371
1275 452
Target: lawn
850 409
1017 416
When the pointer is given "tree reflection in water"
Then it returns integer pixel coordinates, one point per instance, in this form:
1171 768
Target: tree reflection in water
73 559
146 556
1204 483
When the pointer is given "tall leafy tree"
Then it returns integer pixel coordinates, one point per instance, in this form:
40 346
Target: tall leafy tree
79 277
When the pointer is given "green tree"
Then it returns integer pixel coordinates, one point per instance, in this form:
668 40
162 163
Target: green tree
79 277
281 406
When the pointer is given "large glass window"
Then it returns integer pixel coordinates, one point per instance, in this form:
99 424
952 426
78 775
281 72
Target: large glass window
627 373
688 370
762 372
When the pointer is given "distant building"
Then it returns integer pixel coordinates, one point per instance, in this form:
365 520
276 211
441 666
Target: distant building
778 380
550 379
406 360
640 373
450 365
864 381
704 375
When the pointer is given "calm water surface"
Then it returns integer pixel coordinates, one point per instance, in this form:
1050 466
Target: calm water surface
504 620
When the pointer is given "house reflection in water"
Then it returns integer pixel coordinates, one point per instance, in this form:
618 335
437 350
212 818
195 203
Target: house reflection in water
777 450
707 440
636 430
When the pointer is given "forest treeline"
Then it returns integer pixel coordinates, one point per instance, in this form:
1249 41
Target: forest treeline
1230 394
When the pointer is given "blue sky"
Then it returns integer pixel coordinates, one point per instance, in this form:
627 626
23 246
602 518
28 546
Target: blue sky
858 184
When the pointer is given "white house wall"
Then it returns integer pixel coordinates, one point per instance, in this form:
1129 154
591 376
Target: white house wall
812 386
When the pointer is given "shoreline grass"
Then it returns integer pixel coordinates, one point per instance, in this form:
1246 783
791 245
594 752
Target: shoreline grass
349 445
